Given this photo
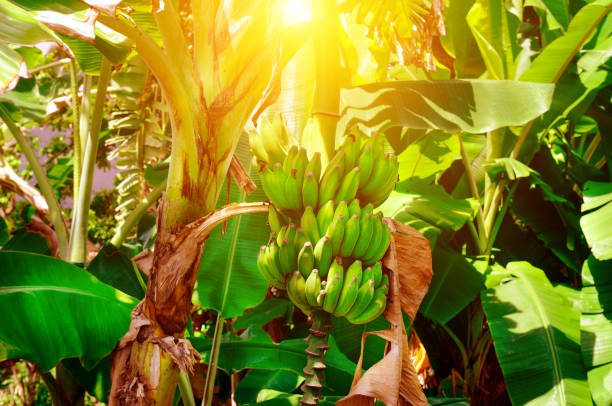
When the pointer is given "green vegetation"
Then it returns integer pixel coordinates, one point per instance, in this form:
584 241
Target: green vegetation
422 188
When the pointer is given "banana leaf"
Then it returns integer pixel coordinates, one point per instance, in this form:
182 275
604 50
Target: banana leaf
597 209
536 332
55 310
472 106
596 328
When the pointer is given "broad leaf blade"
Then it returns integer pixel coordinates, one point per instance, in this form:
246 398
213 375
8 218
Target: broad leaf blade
596 328
595 225
57 311
535 329
455 283
255 349
555 57
472 106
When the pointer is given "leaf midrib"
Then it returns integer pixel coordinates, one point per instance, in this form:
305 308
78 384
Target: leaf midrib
63 289
550 338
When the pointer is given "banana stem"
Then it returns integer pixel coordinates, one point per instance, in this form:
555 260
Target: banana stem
76 135
55 212
78 233
315 366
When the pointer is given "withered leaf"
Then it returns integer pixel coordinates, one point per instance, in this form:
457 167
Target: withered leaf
393 380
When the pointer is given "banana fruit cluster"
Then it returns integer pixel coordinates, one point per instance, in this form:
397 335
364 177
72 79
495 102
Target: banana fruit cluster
326 242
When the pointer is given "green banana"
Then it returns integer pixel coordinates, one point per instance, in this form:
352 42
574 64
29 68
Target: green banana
273 182
290 159
265 271
378 274
284 257
334 285
378 178
337 159
323 255
366 233
310 225
314 166
325 215
273 219
300 164
295 290
280 236
310 190
366 163
385 238
364 297
350 184
368 208
380 196
335 232
368 273
329 184
355 269
271 262
321 295
351 235
306 259
372 248
347 298
351 147
354 208
375 308
342 208
313 287
293 190
350 288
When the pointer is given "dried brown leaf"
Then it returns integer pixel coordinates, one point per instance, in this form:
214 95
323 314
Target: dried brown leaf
393 380
413 254
241 176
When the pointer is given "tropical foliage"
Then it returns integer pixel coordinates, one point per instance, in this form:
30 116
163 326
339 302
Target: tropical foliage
499 114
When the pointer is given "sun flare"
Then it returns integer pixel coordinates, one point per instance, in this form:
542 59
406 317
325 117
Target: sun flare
297 11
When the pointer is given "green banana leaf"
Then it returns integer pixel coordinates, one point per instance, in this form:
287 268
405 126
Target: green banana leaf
472 106
20 16
113 267
596 328
27 241
261 379
597 211
536 333
548 66
254 349
456 282
57 311
429 203
494 28
10 63
269 309
228 280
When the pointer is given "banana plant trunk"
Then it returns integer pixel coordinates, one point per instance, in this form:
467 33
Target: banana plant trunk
211 88
146 364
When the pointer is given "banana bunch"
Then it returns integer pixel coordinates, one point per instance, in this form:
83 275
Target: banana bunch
345 231
358 294
365 172
326 242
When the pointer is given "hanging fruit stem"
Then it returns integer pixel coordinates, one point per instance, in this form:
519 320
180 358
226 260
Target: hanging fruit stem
315 366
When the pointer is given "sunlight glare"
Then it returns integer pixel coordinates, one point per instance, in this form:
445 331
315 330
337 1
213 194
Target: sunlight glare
297 11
